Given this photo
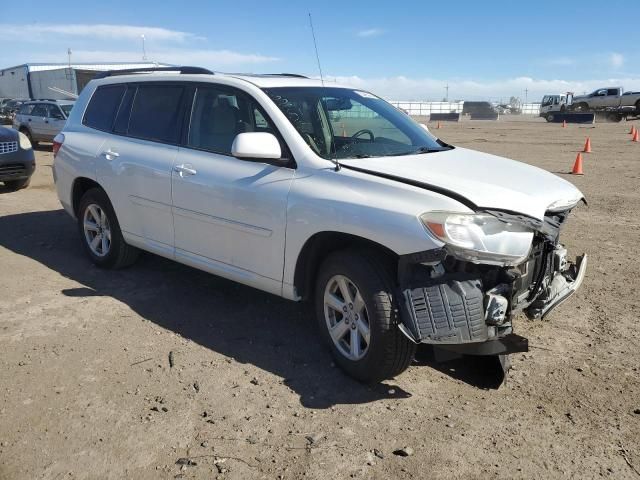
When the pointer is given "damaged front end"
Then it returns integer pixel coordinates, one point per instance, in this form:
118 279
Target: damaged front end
464 296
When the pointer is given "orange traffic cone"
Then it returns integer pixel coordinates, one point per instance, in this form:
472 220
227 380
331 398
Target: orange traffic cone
633 130
438 126
564 124
577 166
587 146
636 137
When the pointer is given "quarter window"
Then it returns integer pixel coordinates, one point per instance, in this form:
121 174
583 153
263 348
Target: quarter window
155 113
103 106
25 110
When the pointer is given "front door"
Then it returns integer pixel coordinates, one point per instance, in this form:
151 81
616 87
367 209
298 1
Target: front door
229 214
54 123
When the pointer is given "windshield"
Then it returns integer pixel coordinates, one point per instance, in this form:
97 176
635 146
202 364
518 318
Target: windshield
340 123
66 109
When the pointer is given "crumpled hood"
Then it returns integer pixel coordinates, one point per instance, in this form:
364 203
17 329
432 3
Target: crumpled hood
487 181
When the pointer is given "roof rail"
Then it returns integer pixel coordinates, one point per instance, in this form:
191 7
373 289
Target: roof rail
181 70
295 75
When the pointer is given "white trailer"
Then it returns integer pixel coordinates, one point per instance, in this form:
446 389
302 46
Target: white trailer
35 80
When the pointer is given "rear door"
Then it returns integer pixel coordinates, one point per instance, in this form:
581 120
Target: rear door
36 120
136 162
229 214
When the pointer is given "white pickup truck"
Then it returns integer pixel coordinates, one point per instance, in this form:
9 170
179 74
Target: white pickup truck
606 98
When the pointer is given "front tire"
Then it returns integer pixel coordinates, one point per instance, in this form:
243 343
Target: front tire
358 315
100 232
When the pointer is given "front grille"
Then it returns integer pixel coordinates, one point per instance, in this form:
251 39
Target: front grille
8 147
11 170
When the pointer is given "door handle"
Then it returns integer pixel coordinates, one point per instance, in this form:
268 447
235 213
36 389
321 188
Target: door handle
110 154
183 170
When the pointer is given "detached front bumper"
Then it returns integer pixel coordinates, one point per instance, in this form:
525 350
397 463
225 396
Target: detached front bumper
471 312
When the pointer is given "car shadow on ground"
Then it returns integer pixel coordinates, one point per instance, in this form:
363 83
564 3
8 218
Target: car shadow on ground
245 324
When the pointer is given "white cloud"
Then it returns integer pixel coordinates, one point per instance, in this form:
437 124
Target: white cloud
370 32
39 32
406 88
214 59
616 60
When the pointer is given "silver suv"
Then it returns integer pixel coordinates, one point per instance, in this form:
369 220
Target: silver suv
41 120
319 192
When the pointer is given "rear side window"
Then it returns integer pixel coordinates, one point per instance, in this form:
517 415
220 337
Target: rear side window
155 114
103 106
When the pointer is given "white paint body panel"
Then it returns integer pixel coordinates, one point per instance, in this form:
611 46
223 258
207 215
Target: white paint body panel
487 180
248 221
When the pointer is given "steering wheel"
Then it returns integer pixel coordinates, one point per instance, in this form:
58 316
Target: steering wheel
362 132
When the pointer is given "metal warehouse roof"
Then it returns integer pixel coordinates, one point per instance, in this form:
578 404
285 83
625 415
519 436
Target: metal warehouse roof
39 67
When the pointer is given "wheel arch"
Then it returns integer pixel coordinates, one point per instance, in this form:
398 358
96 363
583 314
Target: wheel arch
81 185
319 246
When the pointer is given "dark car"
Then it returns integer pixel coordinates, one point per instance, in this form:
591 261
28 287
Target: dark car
9 109
478 108
17 160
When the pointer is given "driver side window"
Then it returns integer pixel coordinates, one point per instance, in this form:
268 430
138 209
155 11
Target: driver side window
55 113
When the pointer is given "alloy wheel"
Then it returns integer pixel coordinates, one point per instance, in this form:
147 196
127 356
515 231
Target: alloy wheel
347 318
97 231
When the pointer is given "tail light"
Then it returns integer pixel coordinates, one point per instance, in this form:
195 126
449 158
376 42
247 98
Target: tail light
58 140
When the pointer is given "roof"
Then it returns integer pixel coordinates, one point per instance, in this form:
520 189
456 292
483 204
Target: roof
282 80
259 80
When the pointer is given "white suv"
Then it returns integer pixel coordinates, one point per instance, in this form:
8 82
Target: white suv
319 192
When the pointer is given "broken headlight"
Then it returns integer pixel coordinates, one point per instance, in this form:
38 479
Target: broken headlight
480 238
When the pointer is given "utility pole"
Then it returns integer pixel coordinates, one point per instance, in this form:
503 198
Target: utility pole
144 51
70 73
447 89
526 93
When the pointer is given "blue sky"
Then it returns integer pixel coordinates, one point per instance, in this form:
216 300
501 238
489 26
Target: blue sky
403 50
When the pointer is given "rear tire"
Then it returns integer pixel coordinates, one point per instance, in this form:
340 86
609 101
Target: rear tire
370 284
100 232
550 117
14 185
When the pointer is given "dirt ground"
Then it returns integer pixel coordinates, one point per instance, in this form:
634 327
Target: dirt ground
87 389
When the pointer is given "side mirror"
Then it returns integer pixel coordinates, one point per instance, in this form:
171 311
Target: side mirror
256 145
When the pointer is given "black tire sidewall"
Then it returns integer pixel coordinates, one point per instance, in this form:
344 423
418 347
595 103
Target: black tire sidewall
376 289
99 197
14 185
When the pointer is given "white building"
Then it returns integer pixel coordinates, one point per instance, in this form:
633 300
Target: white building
36 80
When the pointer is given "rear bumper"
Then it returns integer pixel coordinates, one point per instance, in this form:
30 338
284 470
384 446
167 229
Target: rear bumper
17 165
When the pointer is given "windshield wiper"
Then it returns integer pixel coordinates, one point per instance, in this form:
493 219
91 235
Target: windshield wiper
426 150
